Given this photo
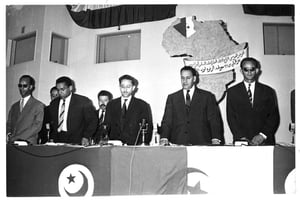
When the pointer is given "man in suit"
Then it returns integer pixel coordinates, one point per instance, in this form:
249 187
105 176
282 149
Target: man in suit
72 116
44 133
25 117
252 110
191 116
126 114
104 97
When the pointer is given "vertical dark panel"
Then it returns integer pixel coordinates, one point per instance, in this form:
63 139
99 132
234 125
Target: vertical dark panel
284 163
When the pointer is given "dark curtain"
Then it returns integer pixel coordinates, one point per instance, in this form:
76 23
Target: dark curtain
271 10
121 15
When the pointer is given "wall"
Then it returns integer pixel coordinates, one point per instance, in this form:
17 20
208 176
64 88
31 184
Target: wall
158 74
32 19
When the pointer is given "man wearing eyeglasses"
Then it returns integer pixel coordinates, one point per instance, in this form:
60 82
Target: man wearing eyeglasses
25 117
252 110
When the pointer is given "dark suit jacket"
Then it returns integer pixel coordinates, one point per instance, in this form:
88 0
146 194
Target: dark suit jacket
27 124
247 121
43 134
199 126
81 120
137 110
98 135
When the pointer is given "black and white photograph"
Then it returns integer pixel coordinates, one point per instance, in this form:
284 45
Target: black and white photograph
150 99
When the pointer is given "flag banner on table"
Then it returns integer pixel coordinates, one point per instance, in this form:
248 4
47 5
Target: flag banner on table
116 15
57 171
142 170
231 170
154 170
284 170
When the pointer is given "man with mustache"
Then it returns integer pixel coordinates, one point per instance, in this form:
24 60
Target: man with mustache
104 97
192 116
126 114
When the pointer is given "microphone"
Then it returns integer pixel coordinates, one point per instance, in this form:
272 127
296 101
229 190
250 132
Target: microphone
143 129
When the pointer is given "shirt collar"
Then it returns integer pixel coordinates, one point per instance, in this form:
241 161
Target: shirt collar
25 99
67 99
247 84
191 91
128 99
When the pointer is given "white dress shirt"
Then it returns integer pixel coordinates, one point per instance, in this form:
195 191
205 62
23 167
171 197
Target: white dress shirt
127 102
191 93
252 88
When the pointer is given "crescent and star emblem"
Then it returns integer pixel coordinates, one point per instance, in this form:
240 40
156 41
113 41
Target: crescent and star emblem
75 180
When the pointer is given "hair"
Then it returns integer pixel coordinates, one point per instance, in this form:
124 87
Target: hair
252 60
105 93
31 80
53 88
128 77
65 80
189 68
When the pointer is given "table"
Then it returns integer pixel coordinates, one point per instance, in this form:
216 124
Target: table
124 170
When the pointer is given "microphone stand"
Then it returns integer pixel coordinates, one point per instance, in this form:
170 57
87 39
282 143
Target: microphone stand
144 131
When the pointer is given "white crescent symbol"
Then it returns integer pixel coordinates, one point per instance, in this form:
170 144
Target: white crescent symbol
83 189
290 183
81 184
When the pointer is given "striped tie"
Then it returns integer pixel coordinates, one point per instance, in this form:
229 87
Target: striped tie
249 93
61 116
101 117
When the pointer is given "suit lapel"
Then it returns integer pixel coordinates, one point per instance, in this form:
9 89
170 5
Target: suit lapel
257 94
118 107
28 105
196 96
26 108
130 109
70 110
180 103
56 108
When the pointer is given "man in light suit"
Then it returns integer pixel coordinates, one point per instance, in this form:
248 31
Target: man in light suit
125 115
252 110
25 117
72 116
191 116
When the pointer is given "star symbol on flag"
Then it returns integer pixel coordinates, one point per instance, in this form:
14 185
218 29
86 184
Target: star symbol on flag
196 189
71 178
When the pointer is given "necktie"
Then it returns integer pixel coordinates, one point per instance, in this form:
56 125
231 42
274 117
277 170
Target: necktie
61 116
123 114
101 117
188 98
249 93
124 109
21 104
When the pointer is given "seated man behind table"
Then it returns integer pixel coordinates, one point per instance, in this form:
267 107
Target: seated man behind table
72 116
25 117
192 116
252 110
125 114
